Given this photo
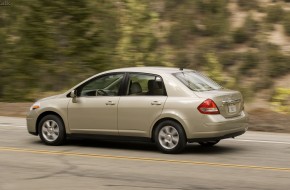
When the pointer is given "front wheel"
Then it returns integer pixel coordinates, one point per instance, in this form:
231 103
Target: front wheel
51 130
170 137
208 143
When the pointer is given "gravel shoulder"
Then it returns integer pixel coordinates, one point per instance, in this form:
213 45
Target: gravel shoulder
18 109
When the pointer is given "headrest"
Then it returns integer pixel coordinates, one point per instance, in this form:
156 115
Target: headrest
153 84
135 88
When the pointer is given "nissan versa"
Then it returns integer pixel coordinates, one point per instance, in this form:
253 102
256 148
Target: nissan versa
168 106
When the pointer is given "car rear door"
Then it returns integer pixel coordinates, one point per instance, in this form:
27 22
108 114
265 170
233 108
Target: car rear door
142 103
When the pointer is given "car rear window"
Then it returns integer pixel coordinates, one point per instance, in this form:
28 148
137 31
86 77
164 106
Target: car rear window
197 81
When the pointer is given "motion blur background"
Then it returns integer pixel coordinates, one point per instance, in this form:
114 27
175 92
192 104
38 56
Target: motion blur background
48 46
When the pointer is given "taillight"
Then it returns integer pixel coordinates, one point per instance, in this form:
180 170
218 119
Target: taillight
208 107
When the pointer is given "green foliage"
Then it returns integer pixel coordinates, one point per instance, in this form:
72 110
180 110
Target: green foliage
247 32
223 43
137 42
48 46
286 23
248 5
240 35
262 83
228 59
215 18
247 92
279 63
53 45
281 100
203 18
213 67
274 13
250 60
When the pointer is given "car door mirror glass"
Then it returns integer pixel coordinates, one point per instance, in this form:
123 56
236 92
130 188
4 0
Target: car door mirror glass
158 79
73 94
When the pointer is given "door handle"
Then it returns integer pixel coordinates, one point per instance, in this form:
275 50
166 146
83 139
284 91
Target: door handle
110 103
156 103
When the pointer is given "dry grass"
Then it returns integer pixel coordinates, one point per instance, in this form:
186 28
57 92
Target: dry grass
269 121
14 109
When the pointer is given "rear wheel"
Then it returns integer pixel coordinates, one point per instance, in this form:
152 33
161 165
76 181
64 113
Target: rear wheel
170 137
208 143
51 130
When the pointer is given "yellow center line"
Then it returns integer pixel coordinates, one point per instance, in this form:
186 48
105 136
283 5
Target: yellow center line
65 153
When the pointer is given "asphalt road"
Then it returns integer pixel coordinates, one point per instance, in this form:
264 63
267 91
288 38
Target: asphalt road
252 161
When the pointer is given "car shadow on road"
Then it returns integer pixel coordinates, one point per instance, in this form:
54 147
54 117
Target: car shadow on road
111 144
191 148
194 148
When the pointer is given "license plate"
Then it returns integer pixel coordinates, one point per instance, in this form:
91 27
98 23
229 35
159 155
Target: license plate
232 108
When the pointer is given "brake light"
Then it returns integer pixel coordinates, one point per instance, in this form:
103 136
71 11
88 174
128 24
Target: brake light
208 107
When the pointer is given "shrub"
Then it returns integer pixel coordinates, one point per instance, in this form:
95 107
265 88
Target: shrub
274 13
214 16
228 59
248 5
281 99
240 35
250 61
224 42
286 23
178 35
263 83
279 63
247 92
247 31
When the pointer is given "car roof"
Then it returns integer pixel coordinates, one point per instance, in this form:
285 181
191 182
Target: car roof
156 70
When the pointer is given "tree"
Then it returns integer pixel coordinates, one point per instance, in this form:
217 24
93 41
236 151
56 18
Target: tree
137 43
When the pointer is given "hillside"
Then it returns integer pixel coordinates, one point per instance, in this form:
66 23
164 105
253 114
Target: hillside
47 46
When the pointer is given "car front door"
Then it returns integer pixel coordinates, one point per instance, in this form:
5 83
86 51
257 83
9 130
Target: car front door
141 105
94 110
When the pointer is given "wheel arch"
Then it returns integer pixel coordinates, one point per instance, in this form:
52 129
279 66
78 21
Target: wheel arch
165 119
42 115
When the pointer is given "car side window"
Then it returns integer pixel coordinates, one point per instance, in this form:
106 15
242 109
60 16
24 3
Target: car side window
107 85
145 85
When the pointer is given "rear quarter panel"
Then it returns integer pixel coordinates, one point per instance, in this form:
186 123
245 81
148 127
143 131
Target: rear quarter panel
184 110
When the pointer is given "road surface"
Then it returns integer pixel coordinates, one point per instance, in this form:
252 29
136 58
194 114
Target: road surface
252 161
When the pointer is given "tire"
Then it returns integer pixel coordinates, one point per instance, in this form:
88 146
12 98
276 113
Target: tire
208 143
170 137
51 130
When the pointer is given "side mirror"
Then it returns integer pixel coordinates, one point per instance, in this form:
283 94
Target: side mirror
73 94
158 79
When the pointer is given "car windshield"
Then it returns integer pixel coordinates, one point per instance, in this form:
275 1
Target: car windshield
197 81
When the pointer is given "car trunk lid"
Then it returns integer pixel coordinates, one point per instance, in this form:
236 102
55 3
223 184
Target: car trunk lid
229 102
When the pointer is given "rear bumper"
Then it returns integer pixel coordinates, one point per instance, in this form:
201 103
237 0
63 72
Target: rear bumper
230 135
217 127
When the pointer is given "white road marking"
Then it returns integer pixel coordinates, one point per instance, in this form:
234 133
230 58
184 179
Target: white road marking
11 125
259 141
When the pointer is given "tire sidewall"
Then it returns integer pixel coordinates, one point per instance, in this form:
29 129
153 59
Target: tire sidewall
182 137
62 135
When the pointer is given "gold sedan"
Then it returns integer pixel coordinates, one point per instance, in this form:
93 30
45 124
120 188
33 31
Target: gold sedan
168 106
